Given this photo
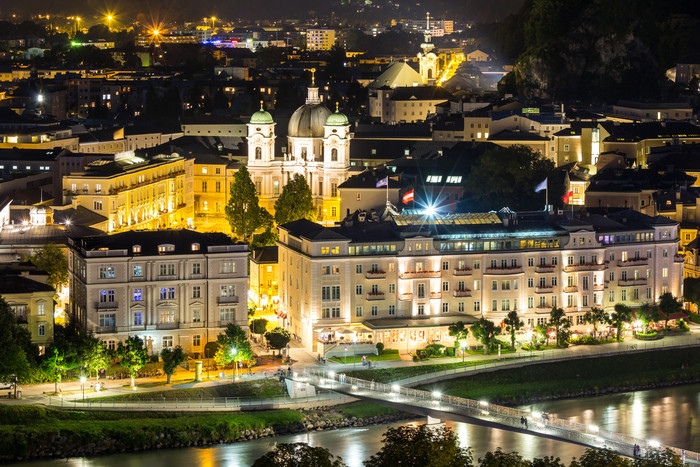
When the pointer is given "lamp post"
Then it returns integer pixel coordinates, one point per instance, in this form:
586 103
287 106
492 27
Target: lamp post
354 342
109 22
82 386
235 366
346 354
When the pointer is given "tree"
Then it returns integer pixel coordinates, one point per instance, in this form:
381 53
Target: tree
485 331
52 261
691 290
94 355
419 446
498 458
507 177
234 346
513 324
648 313
243 211
14 363
257 326
658 458
295 202
619 317
298 455
278 338
172 358
668 306
134 356
561 325
58 361
598 457
594 316
458 330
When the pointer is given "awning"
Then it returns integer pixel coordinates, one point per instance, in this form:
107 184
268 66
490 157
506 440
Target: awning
429 321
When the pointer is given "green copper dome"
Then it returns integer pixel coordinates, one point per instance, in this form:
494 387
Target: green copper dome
337 118
261 117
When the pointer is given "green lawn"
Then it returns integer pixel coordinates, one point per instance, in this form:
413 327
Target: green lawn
258 388
518 385
363 409
387 375
372 358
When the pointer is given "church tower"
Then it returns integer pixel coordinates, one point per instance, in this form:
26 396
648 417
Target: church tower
336 141
428 61
261 139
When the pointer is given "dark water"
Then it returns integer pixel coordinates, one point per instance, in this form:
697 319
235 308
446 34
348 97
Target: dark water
669 415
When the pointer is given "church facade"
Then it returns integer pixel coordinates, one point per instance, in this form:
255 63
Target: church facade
318 147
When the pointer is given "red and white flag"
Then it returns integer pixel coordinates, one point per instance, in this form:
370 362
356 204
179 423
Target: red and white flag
408 197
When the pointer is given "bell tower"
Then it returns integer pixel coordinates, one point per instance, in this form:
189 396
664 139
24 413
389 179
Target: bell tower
427 59
261 138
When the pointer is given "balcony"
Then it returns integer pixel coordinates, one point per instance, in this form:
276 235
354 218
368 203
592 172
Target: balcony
21 319
166 326
375 274
571 288
505 270
419 274
629 282
462 271
107 305
545 268
544 289
434 295
375 296
584 267
633 262
598 287
406 296
233 299
105 329
679 258
462 293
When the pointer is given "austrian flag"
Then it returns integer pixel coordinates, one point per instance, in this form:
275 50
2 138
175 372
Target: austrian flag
408 197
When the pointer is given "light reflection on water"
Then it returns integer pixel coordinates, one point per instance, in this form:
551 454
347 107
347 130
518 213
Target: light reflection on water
669 415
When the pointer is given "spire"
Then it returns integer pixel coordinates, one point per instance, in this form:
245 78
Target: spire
261 105
312 92
427 46
337 105
313 77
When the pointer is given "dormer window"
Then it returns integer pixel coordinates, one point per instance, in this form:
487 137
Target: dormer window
136 249
195 247
166 248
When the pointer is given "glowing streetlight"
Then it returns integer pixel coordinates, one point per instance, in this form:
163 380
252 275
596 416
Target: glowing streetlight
82 386
109 22
213 18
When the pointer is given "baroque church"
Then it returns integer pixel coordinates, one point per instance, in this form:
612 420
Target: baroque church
318 147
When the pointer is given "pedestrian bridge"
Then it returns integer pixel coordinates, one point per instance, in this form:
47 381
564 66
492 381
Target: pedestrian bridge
442 406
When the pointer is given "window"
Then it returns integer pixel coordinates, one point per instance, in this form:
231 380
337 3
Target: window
555 261
228 290
227 314
136 249
505 305
335 292
167 342
97 205
227 267
477 264
554 281
445 265
664 272
648 293
374 310
196 316
358 311
612 276
421 309
494 285
635 294
166 316
494 305
106 320
611 298
166 248
106 296
531 302
106 272
167 293
623 295
195 247
445 286
445 307
138 296
167 269
138 270
505 285
196 268
554 300
421 290
543 302
196 340
138 318
41 329
358 290
111 345
41 309
196 291
531 262
531 282
392 310
358 269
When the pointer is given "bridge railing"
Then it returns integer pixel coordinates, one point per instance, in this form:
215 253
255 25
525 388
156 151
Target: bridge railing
547 424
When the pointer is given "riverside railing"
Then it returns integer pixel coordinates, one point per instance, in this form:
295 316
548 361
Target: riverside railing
217 403
527 358
507 417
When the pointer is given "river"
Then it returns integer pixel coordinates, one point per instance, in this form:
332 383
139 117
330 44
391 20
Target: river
669 415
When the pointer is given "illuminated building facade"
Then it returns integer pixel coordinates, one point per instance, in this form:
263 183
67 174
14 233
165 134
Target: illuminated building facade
403 280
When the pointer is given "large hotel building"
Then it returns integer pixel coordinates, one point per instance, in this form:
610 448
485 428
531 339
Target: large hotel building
403 279
169 287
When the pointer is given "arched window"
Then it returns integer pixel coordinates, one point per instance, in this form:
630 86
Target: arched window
430 73
334 155
258 153
303 153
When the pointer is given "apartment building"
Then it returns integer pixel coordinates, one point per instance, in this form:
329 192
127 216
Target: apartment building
403 280
264 276
320 39
33 305
169 287
134 192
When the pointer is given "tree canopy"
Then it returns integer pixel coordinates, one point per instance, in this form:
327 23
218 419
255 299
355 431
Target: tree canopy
233 346
513 324
668 305
561 325
243 210
508 177
14 365
278 338
486 332
52 261
172 358
133 354
298 455
595 316
295 202
621 315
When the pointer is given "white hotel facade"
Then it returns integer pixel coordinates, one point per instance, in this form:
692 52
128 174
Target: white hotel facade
169 287
403 280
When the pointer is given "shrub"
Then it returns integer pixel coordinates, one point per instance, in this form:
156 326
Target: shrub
683 326
584 340
380 348
450 351
694 317
416 358
437 349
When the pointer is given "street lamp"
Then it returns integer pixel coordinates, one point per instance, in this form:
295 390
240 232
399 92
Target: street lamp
82 386
213 18
109 22
346 354
354 343
235 366
459 345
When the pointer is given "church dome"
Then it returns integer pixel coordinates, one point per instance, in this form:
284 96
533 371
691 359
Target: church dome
337 119
261 117
308 121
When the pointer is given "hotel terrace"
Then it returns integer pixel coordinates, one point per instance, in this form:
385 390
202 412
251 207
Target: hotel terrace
402 280
135 193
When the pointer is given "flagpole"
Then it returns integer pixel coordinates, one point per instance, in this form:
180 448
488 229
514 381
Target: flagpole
546 195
